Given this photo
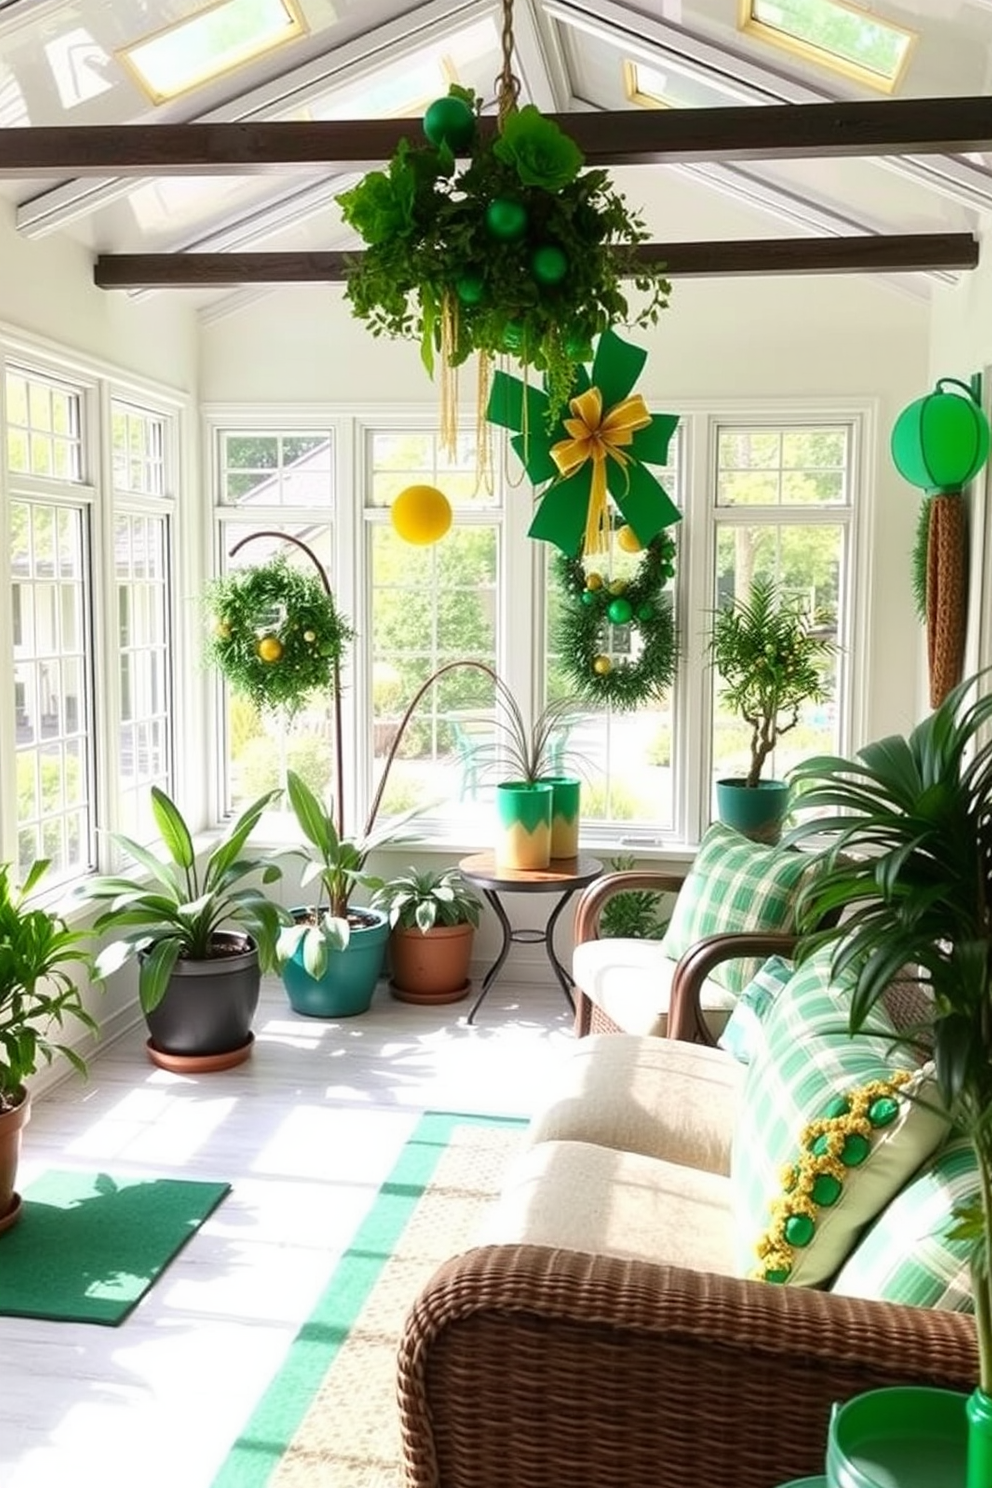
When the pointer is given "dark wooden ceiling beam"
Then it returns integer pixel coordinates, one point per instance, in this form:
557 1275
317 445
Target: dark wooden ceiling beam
911 126
872 254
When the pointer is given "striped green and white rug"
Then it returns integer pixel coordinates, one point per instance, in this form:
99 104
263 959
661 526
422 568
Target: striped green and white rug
329 1415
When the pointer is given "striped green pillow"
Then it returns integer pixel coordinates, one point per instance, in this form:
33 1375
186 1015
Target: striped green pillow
906 1256
830 1128
735 884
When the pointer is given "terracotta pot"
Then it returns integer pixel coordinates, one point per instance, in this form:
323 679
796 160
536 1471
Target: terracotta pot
431 967
12 1123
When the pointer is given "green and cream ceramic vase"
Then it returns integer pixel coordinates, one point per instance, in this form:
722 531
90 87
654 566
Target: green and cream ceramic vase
565 793
523 834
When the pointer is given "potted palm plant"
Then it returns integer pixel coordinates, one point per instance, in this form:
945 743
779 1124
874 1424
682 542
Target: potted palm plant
771 657
40 958
202 932
433 918
909 823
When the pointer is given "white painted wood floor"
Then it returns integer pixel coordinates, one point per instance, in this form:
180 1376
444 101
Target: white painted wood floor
306 1131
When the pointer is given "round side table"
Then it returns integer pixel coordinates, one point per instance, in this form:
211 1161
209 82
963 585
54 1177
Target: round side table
563 877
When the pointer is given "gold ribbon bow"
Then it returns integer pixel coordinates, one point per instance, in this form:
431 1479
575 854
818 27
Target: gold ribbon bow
597 437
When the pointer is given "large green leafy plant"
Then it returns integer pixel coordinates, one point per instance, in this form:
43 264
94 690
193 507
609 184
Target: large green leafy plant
909 867
517 250
40 959
176 907
771 658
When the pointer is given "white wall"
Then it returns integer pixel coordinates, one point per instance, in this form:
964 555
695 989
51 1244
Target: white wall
46 288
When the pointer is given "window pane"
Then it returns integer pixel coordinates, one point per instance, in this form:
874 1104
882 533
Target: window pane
413 458
144 627
51 688
43 427
278 470
796 467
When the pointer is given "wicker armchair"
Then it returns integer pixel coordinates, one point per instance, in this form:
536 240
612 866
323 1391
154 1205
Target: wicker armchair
526 1367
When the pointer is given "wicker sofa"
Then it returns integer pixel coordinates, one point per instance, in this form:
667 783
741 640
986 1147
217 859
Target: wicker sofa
546 1356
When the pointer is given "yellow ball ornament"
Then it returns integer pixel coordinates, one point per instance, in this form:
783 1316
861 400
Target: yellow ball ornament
270 648
421 515
602 665
594 581
628 540
223 629
618 586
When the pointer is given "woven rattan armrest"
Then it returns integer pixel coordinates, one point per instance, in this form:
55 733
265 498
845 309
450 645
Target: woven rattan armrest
685 1017
525 1367
589 909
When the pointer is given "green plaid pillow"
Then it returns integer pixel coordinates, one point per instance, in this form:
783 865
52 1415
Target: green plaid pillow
734 884
829 1130
906 1255
743 1028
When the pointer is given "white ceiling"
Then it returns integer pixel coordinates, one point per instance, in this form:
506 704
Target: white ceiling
58 67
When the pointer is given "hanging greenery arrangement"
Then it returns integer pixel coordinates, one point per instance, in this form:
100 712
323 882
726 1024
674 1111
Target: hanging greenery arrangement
517 250
277 634
595 609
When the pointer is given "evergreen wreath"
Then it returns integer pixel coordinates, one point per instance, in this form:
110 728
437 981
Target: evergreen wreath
277 634
582 632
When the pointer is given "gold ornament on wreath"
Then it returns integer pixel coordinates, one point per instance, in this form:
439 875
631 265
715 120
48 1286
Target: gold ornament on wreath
595 607
277 635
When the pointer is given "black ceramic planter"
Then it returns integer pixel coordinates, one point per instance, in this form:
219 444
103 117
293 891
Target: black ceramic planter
209 1005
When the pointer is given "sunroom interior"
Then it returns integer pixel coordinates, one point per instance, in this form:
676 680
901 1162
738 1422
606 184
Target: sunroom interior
150 427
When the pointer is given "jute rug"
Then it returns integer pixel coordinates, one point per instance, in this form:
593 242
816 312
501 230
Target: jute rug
329 1418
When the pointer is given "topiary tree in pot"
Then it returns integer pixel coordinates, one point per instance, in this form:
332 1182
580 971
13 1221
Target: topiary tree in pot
40 960
770 656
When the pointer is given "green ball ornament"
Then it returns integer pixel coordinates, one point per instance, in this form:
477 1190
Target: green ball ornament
941 442
620 611
579 348
548 264
449 121
506 219
645 612
469 288
587 597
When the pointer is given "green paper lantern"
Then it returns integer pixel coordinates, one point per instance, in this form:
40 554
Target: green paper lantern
548 264
449 121
506 219
941 441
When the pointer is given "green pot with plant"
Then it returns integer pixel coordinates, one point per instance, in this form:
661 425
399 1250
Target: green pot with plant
332 956
433 918
908 822
41 960
202 930
771 657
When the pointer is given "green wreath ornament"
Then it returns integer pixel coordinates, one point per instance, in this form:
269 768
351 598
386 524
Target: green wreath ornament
277 635
593 605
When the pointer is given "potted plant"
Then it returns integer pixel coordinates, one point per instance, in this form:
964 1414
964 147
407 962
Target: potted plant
909 827
201 931
771 658
537 806
37 996
332 955
433 918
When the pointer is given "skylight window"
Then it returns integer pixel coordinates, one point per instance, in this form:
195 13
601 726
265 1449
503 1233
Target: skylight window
213 41
837 34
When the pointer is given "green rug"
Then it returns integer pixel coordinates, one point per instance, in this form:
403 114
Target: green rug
329 1415
87 1247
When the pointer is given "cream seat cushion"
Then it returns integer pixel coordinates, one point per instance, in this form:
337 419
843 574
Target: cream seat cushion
631 980
578 1196
660 1097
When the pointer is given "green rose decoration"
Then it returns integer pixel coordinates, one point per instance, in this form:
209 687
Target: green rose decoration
537 150
381 206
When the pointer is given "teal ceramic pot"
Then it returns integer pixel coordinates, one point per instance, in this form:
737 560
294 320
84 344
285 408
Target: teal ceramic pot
349 981
756 811
909 1436
565 793
523 837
